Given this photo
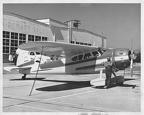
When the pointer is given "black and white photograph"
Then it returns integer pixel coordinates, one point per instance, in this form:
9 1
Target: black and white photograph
71 58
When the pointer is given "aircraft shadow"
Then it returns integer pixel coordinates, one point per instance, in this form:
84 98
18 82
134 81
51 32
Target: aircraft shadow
27 79
67 86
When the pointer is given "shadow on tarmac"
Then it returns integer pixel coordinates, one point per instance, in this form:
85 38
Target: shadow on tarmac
67 86
119 85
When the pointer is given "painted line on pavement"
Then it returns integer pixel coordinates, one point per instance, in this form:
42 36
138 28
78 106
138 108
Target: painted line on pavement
49 110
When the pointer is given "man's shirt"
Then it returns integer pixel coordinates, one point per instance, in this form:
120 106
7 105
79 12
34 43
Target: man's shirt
108 64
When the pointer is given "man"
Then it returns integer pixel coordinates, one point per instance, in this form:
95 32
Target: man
108 72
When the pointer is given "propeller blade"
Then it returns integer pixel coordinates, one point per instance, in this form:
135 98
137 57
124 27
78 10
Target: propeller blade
131 67
132 56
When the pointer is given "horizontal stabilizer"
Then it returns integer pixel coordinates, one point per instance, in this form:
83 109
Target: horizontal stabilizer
14 68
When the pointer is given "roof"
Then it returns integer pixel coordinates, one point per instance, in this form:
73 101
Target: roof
44 24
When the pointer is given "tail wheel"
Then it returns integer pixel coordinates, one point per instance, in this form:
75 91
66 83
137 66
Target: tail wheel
24 77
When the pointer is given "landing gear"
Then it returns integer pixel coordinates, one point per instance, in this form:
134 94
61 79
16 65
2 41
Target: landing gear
98 81
118 80
24 77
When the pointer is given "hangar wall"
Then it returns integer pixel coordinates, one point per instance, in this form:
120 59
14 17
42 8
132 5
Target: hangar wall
18 29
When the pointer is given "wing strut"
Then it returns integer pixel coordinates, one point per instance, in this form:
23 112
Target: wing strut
36 73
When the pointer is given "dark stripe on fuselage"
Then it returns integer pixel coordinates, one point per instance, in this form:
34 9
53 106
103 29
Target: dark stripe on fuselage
82 61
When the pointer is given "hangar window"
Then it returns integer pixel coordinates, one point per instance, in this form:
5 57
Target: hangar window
13 49
14 35
5 49
44 39
21 42
30 37
14 43
6 34
37 38
6 42
22 38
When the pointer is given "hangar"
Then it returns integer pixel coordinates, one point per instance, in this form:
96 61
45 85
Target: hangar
18 29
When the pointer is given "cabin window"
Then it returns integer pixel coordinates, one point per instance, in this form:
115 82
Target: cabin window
95 53
74 58
87 55
80 57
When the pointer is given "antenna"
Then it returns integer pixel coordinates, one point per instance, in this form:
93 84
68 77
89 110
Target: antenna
76 24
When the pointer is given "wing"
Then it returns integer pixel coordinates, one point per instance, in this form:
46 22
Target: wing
56 48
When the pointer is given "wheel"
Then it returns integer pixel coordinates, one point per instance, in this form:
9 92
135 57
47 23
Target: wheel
119 80
24 77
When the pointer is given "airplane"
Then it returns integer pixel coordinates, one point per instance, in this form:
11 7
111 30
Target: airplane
75 58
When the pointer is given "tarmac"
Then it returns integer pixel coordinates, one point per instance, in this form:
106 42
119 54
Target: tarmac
59 92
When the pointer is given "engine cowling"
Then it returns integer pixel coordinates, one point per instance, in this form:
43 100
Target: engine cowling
121 58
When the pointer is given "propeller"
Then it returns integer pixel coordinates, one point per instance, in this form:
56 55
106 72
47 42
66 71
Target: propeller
131 63
132 56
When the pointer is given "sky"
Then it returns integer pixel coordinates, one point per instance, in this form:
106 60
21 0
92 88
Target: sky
119 23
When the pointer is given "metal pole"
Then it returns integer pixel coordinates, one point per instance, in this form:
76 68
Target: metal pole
69 31
36 74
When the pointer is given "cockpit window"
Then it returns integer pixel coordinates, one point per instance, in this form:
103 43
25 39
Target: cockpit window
95 53
75 58
32 53
37 53
87 55
80 57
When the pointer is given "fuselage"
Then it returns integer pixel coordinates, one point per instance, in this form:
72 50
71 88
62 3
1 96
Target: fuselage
89 62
